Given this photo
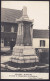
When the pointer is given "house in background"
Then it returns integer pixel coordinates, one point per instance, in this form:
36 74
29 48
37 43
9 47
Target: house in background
40 38
9 29
9 25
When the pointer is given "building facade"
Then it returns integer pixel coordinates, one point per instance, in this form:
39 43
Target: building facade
9 25
40 38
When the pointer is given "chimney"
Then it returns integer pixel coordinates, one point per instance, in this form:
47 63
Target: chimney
24 11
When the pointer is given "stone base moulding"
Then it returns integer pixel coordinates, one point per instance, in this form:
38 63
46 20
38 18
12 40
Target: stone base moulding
24 54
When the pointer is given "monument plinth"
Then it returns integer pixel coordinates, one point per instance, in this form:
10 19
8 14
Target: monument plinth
23 51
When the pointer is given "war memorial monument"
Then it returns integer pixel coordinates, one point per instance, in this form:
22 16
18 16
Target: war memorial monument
23 51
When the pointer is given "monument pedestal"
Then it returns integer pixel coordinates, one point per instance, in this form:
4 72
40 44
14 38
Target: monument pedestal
24 54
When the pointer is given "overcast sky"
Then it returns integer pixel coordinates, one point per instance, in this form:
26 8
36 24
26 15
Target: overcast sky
37 10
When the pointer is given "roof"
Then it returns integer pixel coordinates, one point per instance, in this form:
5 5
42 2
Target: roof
10 15
40 33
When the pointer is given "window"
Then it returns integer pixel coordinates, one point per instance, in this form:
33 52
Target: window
12 29
42 43
2 41
12 39
2 28
6 41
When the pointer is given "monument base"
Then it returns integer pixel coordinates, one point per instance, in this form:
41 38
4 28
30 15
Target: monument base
24 54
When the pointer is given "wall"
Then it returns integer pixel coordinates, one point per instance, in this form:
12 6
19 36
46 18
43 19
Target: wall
36 42
7 35
8 26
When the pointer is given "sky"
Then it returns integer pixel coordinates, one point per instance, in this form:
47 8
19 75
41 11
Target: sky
37 10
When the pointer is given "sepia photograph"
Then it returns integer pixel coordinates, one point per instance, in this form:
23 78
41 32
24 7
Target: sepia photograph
24 39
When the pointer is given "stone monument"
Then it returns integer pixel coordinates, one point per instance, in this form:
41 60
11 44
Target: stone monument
23 51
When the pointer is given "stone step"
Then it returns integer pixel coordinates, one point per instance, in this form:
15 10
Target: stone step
21 54
24 57
21 49
30 57
24 53
16 54
24 61
19 59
